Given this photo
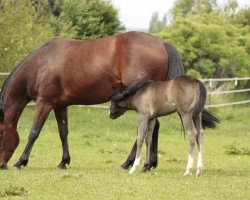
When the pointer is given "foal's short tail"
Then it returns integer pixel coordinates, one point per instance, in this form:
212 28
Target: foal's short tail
202 99
209 120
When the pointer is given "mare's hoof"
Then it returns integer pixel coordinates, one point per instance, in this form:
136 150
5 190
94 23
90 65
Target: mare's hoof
146 168
3 167
126 165
61 166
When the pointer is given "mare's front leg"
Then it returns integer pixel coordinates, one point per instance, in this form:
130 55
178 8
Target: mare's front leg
62 122
42 111
147 164
188 124
153 150
142 122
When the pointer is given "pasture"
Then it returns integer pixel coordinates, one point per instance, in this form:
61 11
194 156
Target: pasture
99 145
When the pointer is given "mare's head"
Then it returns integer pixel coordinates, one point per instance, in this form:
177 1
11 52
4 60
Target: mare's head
9 141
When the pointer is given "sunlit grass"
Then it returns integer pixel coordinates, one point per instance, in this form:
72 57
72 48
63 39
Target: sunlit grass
98 147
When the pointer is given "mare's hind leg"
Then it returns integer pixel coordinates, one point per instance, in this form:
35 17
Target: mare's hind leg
148 139
62 122
199 140
153 150
191 131
142 129
42 111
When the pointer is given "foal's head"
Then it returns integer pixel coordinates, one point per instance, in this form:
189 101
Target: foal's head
116 109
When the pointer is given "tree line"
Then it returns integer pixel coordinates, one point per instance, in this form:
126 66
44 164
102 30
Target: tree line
213 41
26 24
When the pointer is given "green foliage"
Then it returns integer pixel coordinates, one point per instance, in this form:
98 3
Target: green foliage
20 34
183 7
87 19
48 8
233 149
210 45
156 25
13 191
242 17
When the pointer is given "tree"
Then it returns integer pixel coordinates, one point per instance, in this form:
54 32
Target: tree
19 33
242 17
87 19
210 45
183 7
48 8
156 25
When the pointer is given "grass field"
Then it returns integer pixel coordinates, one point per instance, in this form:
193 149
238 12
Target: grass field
99 145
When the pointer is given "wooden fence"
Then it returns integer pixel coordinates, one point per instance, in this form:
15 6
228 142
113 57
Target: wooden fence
210 83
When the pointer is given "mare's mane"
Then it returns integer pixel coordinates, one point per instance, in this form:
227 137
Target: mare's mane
131 90
11 77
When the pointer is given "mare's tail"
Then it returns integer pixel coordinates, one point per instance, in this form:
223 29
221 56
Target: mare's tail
209 120
175 65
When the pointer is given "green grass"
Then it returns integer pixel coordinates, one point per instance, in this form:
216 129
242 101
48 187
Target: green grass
99 145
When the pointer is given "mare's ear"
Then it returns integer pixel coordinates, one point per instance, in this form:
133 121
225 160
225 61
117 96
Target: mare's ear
115 91
1 115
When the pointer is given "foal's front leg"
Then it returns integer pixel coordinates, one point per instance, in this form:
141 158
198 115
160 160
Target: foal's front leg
147 164
142 122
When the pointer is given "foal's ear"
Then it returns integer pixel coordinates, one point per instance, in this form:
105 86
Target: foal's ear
1 115
115 90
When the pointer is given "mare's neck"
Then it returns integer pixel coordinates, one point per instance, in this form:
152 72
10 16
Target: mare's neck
13 110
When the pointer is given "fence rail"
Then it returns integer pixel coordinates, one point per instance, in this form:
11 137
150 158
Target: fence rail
210 93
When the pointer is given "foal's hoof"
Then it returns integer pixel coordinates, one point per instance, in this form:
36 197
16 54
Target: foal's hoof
198 173
16 167
188 173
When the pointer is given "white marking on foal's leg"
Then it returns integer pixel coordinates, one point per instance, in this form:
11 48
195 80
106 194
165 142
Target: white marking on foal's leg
136 163
189 165
199 164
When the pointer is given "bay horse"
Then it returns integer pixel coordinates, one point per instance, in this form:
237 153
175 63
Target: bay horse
65 72
184 94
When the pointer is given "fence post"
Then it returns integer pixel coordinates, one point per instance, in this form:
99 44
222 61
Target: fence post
235 86
210 90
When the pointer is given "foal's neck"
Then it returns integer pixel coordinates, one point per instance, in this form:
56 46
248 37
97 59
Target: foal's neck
127 104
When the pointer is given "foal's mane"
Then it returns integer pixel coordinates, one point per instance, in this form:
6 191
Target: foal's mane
131 90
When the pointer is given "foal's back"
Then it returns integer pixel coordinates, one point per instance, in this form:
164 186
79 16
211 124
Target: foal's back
164 97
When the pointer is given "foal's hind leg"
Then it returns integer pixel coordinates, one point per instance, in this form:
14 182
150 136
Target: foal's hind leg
191 131
199 140
42 111
62 122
